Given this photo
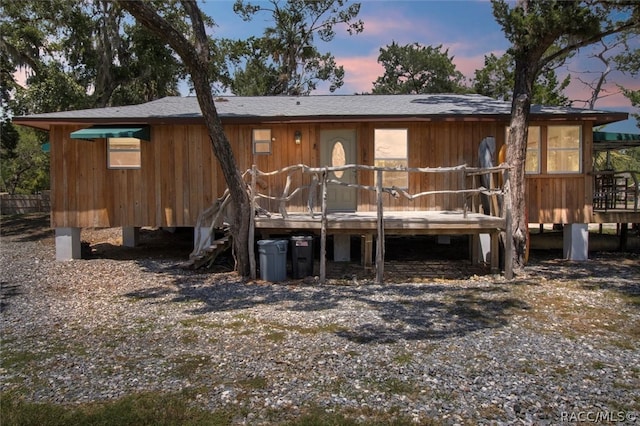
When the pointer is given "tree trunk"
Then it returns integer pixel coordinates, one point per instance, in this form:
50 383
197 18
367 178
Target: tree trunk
516 156
196 57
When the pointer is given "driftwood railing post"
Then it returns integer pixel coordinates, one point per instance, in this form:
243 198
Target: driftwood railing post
323 229
508 240
380 244
252 223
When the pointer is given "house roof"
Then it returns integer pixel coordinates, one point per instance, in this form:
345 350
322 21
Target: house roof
328 108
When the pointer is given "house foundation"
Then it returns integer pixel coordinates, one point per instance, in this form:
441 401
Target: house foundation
130 236
68 245
576 241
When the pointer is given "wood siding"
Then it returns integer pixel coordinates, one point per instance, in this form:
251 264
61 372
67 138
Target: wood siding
180 177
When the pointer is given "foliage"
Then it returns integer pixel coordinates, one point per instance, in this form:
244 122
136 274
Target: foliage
623 160
285 60
629 62
496 80
413 69
84 54
27 171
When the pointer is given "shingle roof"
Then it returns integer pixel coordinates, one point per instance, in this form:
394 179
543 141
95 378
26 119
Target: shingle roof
263 108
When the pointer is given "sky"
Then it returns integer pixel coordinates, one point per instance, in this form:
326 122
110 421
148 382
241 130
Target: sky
466 28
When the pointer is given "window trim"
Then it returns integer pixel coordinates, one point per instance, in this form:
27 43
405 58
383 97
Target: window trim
255 142
579 149
111 149
405 159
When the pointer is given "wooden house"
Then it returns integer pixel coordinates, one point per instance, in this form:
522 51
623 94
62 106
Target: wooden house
153 165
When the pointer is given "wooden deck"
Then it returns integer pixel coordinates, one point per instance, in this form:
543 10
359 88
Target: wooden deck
365 224
395 223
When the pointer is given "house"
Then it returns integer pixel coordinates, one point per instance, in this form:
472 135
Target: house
152 164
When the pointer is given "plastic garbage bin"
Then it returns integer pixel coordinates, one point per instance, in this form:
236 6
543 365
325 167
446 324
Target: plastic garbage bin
302 256
273 260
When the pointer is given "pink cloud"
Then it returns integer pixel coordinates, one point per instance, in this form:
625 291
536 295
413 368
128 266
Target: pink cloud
360 72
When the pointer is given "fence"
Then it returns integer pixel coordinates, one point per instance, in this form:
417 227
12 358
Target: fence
21 204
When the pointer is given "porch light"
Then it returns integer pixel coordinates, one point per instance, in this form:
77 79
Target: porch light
298 137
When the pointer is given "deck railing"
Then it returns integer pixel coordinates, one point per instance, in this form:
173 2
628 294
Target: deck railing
616 190
473 183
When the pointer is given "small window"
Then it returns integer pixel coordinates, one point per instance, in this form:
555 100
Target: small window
563 149
123 153
532 162
261 141
391 151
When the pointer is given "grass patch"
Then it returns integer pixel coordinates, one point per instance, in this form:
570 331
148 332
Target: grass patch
139 409
276 336
189 365
395 386
189 337
254 383
403 358
154 408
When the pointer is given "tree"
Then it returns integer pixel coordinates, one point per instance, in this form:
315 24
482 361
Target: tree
27 170
84 54
414 68
541 33
496 80
285 60
629 62
196 55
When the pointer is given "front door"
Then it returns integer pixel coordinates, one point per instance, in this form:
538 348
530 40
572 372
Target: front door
338 147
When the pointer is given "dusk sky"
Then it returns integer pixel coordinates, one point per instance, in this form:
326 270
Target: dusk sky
467 28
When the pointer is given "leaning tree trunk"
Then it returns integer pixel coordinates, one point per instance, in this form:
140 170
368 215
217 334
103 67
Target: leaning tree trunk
516 156
196 57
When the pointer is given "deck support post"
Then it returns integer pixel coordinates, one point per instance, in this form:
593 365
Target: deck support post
341 247
252 224
68 244
508 233
366 250
380 243
202 237
323 229
481 249
576 241
130 236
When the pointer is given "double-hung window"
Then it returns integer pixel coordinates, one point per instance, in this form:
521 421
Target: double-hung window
261 141
563 149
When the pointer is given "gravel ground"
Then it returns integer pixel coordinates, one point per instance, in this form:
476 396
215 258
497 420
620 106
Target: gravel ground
559 343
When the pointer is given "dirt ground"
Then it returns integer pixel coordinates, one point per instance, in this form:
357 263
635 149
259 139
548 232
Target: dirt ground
406 258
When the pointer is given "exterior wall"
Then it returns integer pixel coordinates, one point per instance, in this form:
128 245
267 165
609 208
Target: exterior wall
562 198
180 176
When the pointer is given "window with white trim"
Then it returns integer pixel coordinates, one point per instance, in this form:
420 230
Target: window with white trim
564 146
390 147
532 161
261 141
123 153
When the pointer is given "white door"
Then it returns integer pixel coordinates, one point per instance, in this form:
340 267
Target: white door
338 147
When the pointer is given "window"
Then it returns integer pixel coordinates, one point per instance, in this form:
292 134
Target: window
391 151
123 153
532 162
563 149
262 141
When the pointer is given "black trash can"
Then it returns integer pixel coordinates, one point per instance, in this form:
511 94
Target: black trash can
302 256
273 260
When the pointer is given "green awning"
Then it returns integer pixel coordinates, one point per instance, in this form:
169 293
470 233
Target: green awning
101 132
603 141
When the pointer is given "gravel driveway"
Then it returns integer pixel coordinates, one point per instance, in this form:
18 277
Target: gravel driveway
560 343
